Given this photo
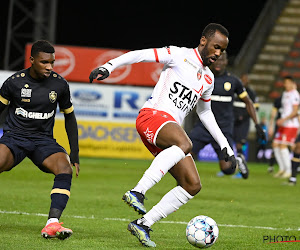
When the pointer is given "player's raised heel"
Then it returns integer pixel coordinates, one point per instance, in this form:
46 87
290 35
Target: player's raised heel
142 232
242 165
135 200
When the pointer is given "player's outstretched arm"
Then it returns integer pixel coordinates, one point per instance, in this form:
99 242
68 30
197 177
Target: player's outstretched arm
252 113
136 56
72 132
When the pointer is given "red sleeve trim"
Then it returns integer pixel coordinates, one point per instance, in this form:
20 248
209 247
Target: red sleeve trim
156 55
205 100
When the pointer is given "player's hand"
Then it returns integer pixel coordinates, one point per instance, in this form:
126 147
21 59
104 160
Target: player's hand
261 135
77 166
103 72
229 158
74 158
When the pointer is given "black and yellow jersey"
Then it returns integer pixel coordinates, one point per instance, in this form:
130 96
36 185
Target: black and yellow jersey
32 103
226 86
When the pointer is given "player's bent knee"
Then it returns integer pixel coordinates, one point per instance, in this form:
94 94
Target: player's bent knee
186 147
193 188
65 168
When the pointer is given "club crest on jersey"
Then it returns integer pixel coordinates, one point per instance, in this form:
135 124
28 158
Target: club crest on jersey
227 86
199 74
52 96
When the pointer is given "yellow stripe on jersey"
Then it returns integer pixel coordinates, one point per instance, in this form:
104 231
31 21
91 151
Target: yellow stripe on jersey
68 110
3 100
60 191
295 159
244 94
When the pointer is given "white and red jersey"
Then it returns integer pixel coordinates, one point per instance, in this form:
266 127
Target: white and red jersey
288 101
183 81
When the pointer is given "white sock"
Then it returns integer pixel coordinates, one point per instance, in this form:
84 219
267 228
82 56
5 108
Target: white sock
51 220
286 160
277 153
162 163
170 203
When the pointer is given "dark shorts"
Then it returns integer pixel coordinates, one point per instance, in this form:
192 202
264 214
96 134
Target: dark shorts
240 132
36 147
201 137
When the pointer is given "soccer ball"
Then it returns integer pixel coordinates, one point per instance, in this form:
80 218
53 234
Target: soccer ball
202 231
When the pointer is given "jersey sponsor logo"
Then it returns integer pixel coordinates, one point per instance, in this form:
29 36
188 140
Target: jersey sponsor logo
208 79
189 63
227 86
199 72
26 92
52 96
183 97
33 115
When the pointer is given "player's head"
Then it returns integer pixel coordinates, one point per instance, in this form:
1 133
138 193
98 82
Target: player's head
213 42
219 67
42 59
289 83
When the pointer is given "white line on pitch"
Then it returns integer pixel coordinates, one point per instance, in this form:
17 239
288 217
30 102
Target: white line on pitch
163 222
45 215
221 225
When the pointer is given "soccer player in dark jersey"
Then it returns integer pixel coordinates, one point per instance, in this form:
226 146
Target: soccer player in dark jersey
226 86
241 116
32 96
272 129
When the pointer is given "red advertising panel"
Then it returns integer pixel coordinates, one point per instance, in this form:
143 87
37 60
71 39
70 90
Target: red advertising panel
76 63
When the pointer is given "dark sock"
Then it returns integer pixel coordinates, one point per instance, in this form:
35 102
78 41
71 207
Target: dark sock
272 160
60 194
295 164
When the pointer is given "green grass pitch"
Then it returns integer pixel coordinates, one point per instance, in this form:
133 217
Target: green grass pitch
245 210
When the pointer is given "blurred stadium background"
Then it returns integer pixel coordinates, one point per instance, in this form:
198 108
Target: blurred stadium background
264 41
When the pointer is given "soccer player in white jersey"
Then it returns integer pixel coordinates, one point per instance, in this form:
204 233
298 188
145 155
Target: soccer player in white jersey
288 126
184 82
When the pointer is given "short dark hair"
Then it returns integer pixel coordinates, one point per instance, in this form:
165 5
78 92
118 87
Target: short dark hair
41 46
288 77
211 29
